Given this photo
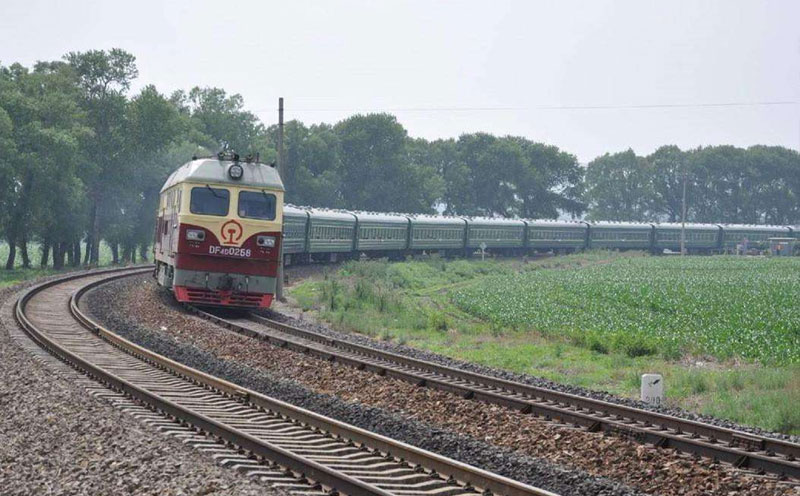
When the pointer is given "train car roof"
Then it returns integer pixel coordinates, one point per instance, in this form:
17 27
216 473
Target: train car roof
689 226
754 227
494 221
621 225
436 219
325 213
289 209
380 217
213 171
556 223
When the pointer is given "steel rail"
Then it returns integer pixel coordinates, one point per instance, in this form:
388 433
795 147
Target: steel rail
741 449
472 477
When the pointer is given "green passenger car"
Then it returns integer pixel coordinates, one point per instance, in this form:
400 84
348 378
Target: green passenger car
295 229
699 237
436 232
620 235
495 233
330 231
381 232
755 236
550 235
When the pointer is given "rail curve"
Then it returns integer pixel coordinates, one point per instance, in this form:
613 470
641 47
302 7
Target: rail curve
335 456
741 449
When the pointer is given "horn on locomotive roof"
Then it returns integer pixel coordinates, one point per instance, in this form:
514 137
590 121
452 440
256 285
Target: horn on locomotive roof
228 155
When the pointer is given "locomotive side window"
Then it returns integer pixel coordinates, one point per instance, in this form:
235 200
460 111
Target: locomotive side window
254 205
209 201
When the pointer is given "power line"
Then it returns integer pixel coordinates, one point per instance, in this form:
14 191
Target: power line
547 107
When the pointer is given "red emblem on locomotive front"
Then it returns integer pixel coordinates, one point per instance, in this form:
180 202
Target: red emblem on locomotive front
231 232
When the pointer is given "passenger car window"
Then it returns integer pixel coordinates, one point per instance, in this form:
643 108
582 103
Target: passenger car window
256 205
209 201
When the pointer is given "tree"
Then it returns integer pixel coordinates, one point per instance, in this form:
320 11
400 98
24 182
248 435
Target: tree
667 166
8 174
312 172
510 177
47 127
721 186
550 183
152 125
222 119
376 173
618 187
442 157
776 185
103 77
470 197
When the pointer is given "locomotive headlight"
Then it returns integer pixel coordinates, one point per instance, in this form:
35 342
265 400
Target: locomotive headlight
268 241
235 171
195 235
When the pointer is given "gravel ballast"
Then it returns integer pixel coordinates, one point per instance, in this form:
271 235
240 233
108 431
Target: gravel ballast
289 316
55 438
104 305
488 436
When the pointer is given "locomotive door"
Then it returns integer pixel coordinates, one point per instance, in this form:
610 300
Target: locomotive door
162 230
173 224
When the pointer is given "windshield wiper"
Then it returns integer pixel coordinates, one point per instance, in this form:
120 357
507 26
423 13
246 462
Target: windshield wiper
214 192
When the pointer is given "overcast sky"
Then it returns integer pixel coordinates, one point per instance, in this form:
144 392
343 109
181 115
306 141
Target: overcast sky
588 77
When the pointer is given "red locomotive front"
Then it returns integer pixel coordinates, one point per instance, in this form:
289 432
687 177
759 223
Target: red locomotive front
219 233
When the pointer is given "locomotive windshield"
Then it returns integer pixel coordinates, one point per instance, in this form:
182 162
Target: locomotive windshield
254 205
210 201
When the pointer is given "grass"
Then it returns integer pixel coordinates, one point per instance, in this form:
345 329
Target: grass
596 320
18 274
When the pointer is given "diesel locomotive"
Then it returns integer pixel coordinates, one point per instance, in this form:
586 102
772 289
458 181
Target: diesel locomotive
218 232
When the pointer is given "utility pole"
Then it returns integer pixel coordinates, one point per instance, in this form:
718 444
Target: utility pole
281 167
683 215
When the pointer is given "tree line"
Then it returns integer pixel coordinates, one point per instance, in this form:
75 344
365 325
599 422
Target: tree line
724 184
82 161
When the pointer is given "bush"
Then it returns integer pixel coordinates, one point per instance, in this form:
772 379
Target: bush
636 346
596 344
438 321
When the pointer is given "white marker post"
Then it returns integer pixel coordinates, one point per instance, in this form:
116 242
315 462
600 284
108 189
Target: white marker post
653 389
482 246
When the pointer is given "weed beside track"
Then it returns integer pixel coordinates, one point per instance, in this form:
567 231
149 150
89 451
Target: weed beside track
571 319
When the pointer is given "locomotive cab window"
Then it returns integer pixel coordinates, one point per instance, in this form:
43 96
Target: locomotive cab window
209 201
256 205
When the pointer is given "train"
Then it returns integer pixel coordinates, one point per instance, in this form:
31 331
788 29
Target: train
208 253
312 234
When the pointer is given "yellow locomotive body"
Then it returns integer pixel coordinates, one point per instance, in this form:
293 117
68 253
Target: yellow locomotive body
218 232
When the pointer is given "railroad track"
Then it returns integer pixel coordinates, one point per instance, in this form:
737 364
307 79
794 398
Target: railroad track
757 453
301 451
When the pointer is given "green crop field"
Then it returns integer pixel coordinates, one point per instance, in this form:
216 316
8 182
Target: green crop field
724 307
724 331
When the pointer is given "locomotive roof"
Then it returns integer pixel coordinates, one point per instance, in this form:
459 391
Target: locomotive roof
213 171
